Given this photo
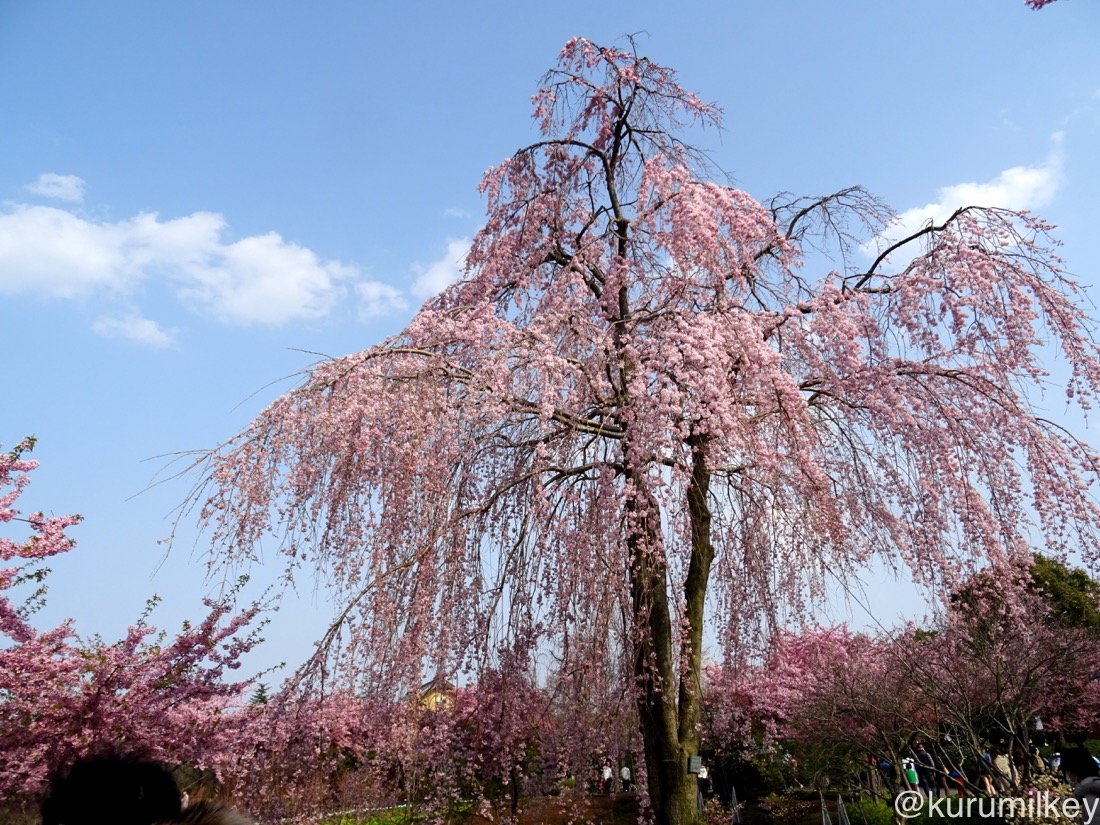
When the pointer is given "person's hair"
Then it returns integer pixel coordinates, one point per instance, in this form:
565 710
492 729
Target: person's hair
1079 762
123 790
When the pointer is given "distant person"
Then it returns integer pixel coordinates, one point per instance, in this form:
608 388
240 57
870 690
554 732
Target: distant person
605 777
909 768
1038 764
887 771
927 771
1020 763
985 774
956 784
1002 768
704 780
624 776
1081 771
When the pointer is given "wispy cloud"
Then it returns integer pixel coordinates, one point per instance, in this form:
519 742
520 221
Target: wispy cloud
377 298
137 329
262 279
438 275
62 187
1019 188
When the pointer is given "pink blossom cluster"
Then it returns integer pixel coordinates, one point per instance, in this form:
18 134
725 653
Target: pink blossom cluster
994 663
61 695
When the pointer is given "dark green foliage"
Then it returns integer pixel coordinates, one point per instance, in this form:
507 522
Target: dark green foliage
259 696
1073 596
870 811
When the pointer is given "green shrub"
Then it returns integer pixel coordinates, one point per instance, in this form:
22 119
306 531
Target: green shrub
870 811
393 816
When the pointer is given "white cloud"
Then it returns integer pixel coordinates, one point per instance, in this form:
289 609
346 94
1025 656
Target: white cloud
135 328
260 279
440 274
62 187
377 298
1018 188
263 280
452 212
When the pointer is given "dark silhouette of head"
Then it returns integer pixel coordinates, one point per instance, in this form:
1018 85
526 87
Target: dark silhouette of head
123 790
1078 764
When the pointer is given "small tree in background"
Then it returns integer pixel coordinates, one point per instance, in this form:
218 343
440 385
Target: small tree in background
259 695
1070 595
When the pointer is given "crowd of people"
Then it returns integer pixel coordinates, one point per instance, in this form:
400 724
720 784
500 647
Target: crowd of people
1001 770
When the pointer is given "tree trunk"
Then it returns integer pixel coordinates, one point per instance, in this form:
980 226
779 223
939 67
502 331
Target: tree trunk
669 707
666 761
514 789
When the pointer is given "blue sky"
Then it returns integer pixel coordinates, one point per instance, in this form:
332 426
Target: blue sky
195 196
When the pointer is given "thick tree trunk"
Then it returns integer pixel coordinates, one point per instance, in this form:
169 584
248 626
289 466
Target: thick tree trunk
672 790
669 703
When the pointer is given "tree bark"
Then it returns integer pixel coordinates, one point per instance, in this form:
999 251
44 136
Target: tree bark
669 707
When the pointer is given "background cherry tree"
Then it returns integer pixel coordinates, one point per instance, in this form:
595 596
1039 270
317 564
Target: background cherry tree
62 696
1007 650
652 394
826 696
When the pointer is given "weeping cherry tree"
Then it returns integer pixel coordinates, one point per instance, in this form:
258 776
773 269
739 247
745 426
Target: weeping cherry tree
649 402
